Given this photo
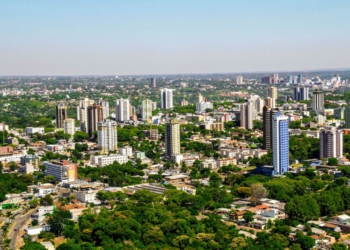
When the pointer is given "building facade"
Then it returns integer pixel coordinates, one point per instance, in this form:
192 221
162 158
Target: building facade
272 92
317 100
146 109
122 110
61 114
69 126
105 106
280 147
268 115
331 143
166 97
107 136
82 113
172 137
247 114
61 170
95 115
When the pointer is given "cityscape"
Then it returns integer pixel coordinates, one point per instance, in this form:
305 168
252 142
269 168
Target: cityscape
129 150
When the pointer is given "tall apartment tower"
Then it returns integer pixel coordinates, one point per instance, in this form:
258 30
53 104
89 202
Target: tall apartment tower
272 92
105 106
82 113
146 108
95 115
268 114
331 143
300 93
166 99
122 110
153 83
69 126
270 102
247 114
107 136
239 79
317 100
280 138
347 116
61 114
172 137
300 79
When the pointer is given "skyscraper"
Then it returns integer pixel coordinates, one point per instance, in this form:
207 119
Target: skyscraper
272 92
347 116
331 143
247 114
300 93
69 126
268 114
300 79
95 115
280 138
166 98
105 106
172 137
82 113
239 79
61 114
122 110
153 83
107 136
317 100
270 102
146 109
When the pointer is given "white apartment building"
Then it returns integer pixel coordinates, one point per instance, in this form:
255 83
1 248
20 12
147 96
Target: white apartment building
104 160
166 98
69 126
32 130
86 196
122 110
107 136
202 106
331 143
82 113
127 150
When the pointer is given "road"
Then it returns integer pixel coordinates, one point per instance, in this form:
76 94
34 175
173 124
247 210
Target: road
16 232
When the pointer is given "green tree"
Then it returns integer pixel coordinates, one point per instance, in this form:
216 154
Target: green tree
302 208
47 200
332 161
248 216
33 246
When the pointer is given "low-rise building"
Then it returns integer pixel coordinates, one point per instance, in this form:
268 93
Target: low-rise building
32 130
127 150
104 160
62 170
86 196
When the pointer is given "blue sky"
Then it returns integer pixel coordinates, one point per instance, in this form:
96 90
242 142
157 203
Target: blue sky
167 37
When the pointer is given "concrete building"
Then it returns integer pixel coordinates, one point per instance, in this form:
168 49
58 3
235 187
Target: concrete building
105 107
331 143
280 147
127 150
202 106
31 163
107 136
183 103
61 114
62 170
122 110
104 160
153 83
339 113
300 93
95 115
239 79
31 130
268 115
146 109
172 137
347 116
317 100
86 196
69 126
166 97
270 102
82 113
272 92
247 115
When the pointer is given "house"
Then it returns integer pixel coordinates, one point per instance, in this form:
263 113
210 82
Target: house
36 230
343 219
42 189
177 178
86 196
42 212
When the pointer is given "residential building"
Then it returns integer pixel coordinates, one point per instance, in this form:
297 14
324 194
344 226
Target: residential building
6 150
268 114
270 102
300 93
61 114
31 130
82 113
239 79
280 147
202 106
272 92
69 126
95 115
151 134
153 83
62 170
104 160
217 126
105 107
317 100
347 116
183 103
166 98
331 143
300 79
146 109
247 114
107 136
122 110
30 160
127 150
86 196
339 113
172 137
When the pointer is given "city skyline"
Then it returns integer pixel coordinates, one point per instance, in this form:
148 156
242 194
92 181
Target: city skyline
144 37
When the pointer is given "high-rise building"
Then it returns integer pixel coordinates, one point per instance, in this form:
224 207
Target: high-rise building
268 114
105 106
82 113
280 138
172 137
270 102
239 79
300 93
259 105
69 126
153 83
317 100
107 136
331 143
166 98
61 114
201 98
146 109
272 92
183 103
122 110
61 170
300 79
347 117
290 79
95 115
247 114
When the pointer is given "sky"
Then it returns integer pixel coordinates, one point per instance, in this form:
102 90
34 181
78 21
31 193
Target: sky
123 37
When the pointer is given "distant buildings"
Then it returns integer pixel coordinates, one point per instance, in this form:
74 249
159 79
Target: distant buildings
347 117
247 114
317 100
268 114
273 79
146 109
272 92
31 130
69 126
239 79
61 114
107 136
153 83
166 98
95 115
82 113
270 102
202 106
122 110
104 160
331 143
183 103
105 106
172 137
300 79
62 170
280 139
300 93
